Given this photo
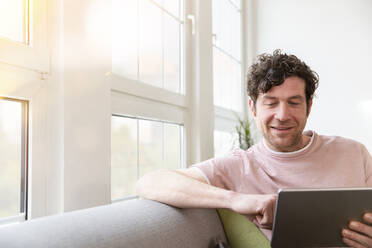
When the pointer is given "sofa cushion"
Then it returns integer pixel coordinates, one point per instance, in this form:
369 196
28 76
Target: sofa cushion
241 232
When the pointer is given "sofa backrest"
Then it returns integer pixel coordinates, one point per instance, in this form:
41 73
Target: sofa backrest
132 224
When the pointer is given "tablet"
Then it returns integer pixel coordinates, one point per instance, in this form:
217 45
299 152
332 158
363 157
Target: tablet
315 217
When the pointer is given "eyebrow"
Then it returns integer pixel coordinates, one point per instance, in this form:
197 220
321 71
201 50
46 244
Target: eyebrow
290 98
299 97
269 97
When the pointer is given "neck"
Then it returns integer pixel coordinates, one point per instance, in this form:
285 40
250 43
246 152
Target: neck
303 142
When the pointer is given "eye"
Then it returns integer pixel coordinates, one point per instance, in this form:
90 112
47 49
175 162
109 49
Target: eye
270 104
294 103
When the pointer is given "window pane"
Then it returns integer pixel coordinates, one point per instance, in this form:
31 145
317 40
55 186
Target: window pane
222 95
227 81
10 158
171 54
150 44
125 38
223 143
12 19
160 145
226 27
173 6
123 157
237 3
172 146
150 146
236 87
159 2
147 42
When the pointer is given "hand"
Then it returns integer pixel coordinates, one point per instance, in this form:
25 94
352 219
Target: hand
259 208
360 234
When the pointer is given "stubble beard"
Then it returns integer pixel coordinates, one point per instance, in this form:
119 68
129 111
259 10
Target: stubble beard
292 143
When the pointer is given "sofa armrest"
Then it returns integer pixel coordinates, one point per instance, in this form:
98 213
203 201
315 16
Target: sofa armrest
134 223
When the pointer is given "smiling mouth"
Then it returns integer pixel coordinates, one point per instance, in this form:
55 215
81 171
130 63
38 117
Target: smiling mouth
282 128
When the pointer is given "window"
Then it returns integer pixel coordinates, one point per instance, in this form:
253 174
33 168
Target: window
13 159
148 100
148 42
139 146
224 142
149 77
23 34
14 20
227 72
227 54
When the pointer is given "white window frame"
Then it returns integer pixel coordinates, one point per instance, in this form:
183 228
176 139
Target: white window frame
35 56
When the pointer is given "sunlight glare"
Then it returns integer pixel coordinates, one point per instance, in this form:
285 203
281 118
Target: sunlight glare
10 119
12 20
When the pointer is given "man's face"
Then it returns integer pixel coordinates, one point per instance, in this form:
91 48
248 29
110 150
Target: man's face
281 115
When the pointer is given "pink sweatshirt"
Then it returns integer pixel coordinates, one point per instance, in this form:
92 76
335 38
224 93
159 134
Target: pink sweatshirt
327 161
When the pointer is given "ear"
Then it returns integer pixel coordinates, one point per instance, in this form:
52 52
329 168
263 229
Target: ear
252 107
309 107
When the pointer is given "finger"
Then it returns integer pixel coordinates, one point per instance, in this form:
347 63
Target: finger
361 227
266 222
268 215
352 243
356 237
259 221
265 219
368 218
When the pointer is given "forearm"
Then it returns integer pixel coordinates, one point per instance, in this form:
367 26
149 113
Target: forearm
176 189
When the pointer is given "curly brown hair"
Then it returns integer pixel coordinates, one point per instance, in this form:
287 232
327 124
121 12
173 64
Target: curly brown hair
271 70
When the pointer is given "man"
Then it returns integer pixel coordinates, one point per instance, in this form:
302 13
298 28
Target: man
281 89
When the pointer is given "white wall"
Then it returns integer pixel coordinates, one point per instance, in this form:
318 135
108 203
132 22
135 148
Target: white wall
334 38
86 59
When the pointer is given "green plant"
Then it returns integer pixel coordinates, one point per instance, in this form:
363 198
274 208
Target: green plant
244 133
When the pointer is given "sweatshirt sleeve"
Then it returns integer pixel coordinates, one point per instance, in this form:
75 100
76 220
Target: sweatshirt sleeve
221 172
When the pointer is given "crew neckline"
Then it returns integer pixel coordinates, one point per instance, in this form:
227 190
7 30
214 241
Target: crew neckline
310 133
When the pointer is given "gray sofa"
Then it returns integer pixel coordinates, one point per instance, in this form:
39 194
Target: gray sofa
132 224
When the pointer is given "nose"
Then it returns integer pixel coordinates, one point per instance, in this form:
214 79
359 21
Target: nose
282 112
